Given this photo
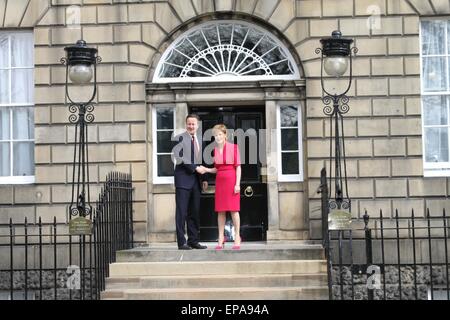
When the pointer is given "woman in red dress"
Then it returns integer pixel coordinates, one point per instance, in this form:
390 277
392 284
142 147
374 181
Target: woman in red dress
227 167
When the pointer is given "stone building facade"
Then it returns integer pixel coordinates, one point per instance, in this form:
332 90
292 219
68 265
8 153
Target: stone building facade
384 129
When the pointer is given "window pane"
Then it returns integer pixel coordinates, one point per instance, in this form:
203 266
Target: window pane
164 118
165 166
176 58
4 51
434 75
239 34
170 71
23 159
248 124
435 110
4 124
4 86
252 39
197 40
164 142
22 86
225 33
22 49
265 46
290 163
433 37
289 139
436 144
4 159
23 123
288 116
186 48
211 35
448 38
274 56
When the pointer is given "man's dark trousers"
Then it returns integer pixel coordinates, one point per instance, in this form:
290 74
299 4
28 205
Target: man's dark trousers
187 212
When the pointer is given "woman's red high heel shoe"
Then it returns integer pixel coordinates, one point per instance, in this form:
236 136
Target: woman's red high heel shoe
238 246
220 247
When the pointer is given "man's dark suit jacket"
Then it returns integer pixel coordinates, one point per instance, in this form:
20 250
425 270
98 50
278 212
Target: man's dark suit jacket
185 174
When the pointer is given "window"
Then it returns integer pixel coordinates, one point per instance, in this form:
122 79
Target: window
18 295
290 162
226 51
16 107
163 129
439 292
435 54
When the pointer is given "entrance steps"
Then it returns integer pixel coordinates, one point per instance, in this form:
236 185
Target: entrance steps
259 271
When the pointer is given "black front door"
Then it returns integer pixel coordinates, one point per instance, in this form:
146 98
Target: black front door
254 211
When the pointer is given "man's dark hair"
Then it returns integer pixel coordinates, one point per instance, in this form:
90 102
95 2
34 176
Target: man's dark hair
192 115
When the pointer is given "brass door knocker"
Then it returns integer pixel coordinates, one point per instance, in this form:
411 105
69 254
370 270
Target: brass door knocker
248 192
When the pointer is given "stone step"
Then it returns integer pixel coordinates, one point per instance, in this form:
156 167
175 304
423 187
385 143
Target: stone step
258 271
238 293
133 269
248 251
223 281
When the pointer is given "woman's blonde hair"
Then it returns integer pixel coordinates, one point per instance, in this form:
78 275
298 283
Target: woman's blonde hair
222 128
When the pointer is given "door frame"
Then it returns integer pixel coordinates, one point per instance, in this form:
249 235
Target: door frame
253 224
267 93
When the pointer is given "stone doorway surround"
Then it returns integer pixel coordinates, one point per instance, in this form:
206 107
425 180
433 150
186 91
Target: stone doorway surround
287 201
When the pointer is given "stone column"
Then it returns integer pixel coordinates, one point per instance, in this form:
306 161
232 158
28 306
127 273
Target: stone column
181 111
150 150
272 167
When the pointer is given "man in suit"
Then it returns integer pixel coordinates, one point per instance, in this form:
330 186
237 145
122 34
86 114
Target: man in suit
189 179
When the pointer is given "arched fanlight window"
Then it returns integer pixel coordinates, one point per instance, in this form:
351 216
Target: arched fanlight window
226 51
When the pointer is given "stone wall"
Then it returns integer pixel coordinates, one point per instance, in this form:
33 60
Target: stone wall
64 290
117 136
391 280
383 133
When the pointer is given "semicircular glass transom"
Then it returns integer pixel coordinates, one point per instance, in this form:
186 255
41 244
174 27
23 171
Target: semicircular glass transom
226 51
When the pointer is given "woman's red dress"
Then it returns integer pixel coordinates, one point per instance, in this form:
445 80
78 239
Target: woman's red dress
226 163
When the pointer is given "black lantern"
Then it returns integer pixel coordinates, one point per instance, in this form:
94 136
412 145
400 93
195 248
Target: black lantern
336 58
80 59
81 66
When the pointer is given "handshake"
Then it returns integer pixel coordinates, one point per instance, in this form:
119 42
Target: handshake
202 169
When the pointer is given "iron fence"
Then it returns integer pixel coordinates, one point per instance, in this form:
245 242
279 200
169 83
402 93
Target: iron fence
403 257
44 261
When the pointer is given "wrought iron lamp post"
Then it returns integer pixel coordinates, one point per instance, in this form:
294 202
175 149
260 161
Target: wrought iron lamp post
336 58
81 66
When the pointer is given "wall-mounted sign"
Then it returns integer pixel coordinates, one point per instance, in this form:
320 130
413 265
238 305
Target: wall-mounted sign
80 226
339 220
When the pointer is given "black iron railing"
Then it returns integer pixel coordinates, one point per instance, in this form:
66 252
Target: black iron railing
404 257
46 262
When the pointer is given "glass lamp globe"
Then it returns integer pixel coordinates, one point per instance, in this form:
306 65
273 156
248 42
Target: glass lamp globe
335 66
80 73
